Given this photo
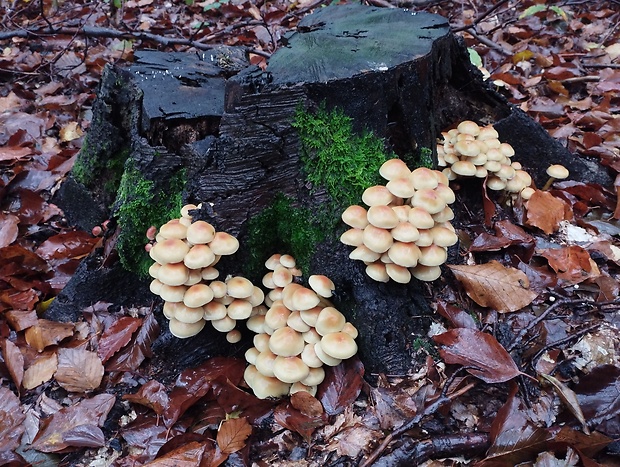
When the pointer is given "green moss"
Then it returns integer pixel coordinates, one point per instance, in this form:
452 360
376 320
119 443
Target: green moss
139 206
425 345
426 158
91 168
336 158
282 228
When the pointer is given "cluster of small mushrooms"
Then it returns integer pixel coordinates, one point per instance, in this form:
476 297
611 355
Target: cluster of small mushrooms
298 329
406 229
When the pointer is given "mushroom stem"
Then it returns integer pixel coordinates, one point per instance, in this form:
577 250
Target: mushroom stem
548 184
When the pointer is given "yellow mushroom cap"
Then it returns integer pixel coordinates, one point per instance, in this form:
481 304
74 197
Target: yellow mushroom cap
264 363
225 324
557 171
170 250
264 386
377 195
261 341
350 330
277 315
173 229
290 369
185 330
309 356
304 299
172 293
352 237
383 217
398 274
198 295
173 274
239 287
326 359
376 239
487 132
527 192
423 178
464 168
443 237
469 127
233 336
432 255
322 285
286 342
287 261
355 216
329 320
467 148
251 354
426 273
401 187
445 215
315 377
239 309
187 315
224 244
429 200
404 254
200 232
376 271
496 183
199 256
214 311
405 232
420 218
394 168
297 323
218 288
339 345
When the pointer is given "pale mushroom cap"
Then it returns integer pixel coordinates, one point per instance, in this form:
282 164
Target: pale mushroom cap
169 309
251 354
311 336
496 183
290 369
198 295
350 330
329 320
402 212
432 255
309 357
170 250
315 377
322 285
352 237
224 244
277 315
493 166
423 178
186 209
383 217
173 229
187 315
401 187
446 193
209 273
233 336
426 238
200 232
214 311
286 294
398 274
185 330
467 148
464 168
404 254
255 324
420 218
239 287
478 160
273 261
429 200
557 171
506 172
487 132
218 288
527 192
377 239
304 299
264 386
494 155
239 309
195 276
450 175
287 261
173 293
405 232
173 274
153 270
355 216
469 127
481 172
445 215
339 345
376 271
377 195
155 287
282 276
515 185
443 237
310 316
264 363
294 321
365 254
261 341
225 324
394 168
268 280
199 256
426 273
286 342
326 359
493 143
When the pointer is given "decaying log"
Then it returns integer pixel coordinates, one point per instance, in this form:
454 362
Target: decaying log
230 127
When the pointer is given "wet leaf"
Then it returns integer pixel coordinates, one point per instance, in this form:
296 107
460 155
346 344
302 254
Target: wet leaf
67 245
41 370
289 417
232 435
341 386
572 263
20 320
14 361
46 333
79 370
75 426
598 394
192 454
569 398
11 420
470 347
8 229
232 399
307 404
545 211
495 286
153 395
131 356
457 317
117 336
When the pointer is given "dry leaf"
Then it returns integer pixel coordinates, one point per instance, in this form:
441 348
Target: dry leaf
232 435
568 396
307 404
572 263
492 285
14 361
46 333
11 420
78 370
41 370
70 132
545 211
8 229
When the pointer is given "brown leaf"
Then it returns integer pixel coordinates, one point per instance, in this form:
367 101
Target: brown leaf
8 229
152 394
46 333
492 285
568 396
545 211
341 386
20 320
470 347
130 357
67 245
75 426
192 454
79 370
11 420
14 361
232 435
307 404
41 370
457 317
572 263
117 336
289 417
11 154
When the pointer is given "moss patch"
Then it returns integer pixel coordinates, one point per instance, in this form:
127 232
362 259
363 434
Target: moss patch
90 167
282 228
140 205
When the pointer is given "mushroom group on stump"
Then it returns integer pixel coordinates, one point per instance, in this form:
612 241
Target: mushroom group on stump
406 229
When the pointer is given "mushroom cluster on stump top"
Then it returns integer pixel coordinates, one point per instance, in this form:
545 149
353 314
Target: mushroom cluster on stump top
299 333
470 150
184 275
406 229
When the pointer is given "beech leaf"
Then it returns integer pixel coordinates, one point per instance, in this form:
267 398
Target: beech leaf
11 420
14 361
41 370
152 394
545 211
232 435
495 286
46 333
470 347
568 396
79 370
572 263
341 386
117 336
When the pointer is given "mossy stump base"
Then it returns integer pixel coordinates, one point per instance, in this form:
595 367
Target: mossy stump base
247 144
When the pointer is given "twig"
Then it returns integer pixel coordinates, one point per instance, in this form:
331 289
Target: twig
581 79
381 3
481 17
489 43
601 65
561 342
429 410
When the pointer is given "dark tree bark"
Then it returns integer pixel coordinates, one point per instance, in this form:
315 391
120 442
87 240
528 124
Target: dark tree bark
401 75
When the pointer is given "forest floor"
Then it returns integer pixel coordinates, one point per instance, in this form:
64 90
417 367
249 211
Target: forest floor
538 385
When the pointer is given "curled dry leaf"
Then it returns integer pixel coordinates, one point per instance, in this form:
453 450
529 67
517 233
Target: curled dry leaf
545 211
232 435
46 333
79 370
492 285
14 361
568 396
11 420
473 348
41 370
572 263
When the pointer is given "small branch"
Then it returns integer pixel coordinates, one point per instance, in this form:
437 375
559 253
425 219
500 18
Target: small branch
381 3
561 342
489 43
481 17
601 65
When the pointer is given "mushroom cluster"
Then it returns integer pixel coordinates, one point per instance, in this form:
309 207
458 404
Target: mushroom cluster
406 229
473 151
299 333
184 275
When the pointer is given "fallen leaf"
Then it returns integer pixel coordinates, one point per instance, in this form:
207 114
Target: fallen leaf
14 361
131 356
117 336
70 132
545 211
341 386
572 264
232 435
11 420
79 370
289 417
457 317
152 394
20 320
598 394
191 454
492 285
8 229
46 333
41 370
568 396
75 426
306 403
470 347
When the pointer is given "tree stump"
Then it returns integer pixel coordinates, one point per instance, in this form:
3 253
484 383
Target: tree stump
209 128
